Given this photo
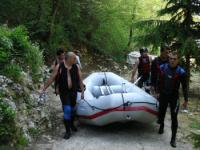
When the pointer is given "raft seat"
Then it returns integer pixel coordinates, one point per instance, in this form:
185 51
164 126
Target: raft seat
98 91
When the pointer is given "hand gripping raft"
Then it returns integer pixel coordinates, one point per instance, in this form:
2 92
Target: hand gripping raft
110 98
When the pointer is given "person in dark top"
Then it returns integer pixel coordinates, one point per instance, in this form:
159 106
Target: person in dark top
78 61
144 67
162 59
69 79
60 56
170 76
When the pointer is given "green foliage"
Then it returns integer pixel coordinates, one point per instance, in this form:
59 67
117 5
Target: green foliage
101 25
7 123
34 132
34 59
175 25
13 71
111 36
195 136
9 132
18 54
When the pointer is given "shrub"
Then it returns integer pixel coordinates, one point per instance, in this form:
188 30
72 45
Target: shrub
7 123
9 132
34 59
196 136
16 48
13 71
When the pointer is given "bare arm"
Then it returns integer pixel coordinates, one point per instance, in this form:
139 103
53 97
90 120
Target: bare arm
80 79
52 78
134 70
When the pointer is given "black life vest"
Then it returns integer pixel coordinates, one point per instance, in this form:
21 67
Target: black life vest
61 78
144 66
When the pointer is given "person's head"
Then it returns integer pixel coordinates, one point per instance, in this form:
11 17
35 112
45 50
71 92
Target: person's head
70 58
60 54
164 51
143 51
173 59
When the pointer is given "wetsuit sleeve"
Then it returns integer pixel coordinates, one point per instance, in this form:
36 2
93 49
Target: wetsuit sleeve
183 81
154 73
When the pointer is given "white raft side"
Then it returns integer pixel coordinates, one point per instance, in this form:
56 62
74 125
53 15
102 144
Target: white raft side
113 101
117 116
103 103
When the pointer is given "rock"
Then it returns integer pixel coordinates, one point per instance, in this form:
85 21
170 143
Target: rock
9 103
27 136
8 81
31 124
42 114
125 67
17 88
27 80
49 125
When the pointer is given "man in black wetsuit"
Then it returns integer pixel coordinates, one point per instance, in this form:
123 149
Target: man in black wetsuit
170 76
162 59
69 80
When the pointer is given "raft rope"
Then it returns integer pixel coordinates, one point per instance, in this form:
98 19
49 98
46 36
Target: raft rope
123 100
106 78
94 107
124 104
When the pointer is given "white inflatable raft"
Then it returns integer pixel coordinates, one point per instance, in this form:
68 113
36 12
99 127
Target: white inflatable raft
110 98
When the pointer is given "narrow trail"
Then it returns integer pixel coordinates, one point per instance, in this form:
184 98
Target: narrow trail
133 136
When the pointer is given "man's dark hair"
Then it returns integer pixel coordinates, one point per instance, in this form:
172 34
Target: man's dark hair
164 46
59 51
143 49
174 53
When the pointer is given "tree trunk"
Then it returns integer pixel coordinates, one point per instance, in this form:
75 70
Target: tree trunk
130 36
187 61
55 6
131 32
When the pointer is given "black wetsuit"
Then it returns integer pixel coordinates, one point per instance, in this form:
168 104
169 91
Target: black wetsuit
154 70
169 83
68 95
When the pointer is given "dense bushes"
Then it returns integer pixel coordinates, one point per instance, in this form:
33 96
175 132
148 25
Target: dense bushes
101 25
17 53
9 132
7 123
196 135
